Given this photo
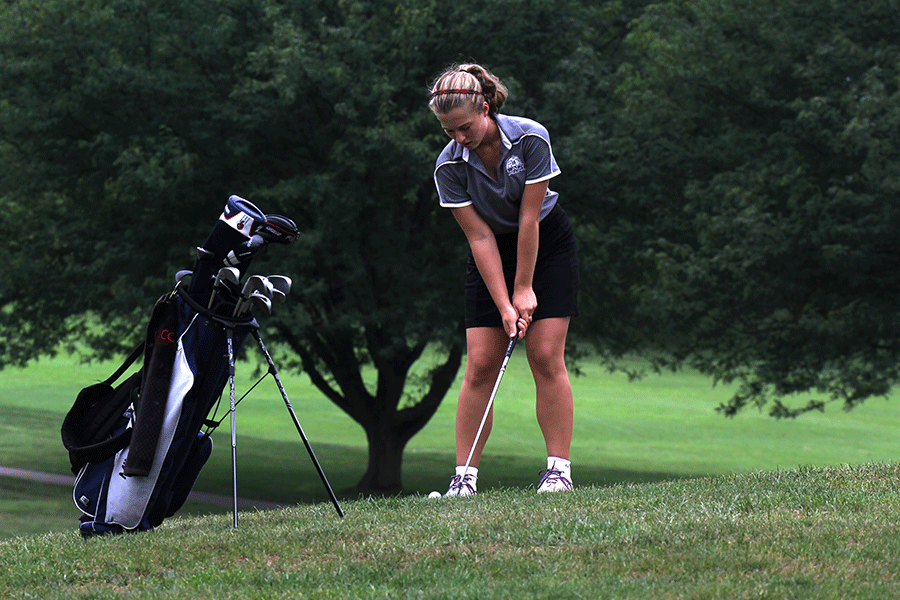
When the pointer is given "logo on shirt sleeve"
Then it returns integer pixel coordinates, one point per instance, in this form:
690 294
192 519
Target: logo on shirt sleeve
514 165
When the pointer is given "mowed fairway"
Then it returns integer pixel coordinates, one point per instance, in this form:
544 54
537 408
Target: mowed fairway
662 427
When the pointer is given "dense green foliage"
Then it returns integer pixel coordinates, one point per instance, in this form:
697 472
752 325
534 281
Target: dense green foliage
756 148
731 168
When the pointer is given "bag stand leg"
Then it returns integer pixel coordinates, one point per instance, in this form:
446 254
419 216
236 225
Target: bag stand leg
290 408
228 335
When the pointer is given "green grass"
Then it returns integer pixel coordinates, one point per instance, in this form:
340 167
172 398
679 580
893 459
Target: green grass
661 428
672 501
801 533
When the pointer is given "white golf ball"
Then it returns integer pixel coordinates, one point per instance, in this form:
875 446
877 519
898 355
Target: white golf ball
434 494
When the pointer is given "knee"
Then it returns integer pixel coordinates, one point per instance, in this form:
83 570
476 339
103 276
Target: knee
547 365
550 370
481 369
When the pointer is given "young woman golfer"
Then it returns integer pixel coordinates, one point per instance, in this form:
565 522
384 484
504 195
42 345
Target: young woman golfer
522 276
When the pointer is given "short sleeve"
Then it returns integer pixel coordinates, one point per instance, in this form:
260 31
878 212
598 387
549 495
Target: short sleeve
540 163
449 179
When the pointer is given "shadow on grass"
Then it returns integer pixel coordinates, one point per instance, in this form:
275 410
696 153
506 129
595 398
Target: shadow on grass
269 470
29 508
280 471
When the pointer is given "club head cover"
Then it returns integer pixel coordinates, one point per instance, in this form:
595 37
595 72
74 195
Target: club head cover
277 229
241 256
234 228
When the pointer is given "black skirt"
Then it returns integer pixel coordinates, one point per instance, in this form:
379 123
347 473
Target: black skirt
555 280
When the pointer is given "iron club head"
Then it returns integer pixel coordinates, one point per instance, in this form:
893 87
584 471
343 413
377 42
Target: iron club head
254 284
281 283
225 275
260 303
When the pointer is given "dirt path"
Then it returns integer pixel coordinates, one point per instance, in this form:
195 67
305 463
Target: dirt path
216 499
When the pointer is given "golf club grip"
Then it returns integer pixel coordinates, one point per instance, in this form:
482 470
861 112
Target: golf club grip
512 345
509 351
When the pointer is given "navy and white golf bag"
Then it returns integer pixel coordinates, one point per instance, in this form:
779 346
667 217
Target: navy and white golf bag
137 448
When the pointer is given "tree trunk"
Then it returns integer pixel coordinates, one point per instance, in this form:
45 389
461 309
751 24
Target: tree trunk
383 475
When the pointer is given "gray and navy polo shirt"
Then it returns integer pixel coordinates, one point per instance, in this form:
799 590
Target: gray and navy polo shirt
525 157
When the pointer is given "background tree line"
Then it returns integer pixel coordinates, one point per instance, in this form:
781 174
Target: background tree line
731 168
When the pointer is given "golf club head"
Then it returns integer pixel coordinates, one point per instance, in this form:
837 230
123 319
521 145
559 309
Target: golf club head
261 284
229 275
281 283
255 284
259 302
277 229
226 279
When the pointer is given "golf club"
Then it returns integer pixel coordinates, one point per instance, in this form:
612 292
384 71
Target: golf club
261 302
226 275
263 287
204 254
487 409
230 234
278 229
281 283
255 283
203 266
240 257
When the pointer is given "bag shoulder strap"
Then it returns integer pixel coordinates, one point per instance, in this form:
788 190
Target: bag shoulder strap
128 362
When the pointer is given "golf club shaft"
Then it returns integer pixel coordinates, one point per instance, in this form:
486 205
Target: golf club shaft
487 409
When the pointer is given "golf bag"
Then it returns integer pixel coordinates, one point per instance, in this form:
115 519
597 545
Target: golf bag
137 448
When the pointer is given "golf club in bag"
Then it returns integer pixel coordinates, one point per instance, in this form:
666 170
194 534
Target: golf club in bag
137 448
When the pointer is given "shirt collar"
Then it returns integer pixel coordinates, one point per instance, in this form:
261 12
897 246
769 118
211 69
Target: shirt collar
502 124
503 137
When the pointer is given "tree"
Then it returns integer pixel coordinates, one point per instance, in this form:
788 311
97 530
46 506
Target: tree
135 120
115 117
754 155
388 290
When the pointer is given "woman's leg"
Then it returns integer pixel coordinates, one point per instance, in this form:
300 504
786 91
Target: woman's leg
546 342
486 347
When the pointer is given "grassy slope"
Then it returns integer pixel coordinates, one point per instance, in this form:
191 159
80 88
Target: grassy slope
803 533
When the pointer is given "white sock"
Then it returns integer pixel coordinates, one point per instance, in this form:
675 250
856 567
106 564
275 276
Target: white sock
471 471
562 465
